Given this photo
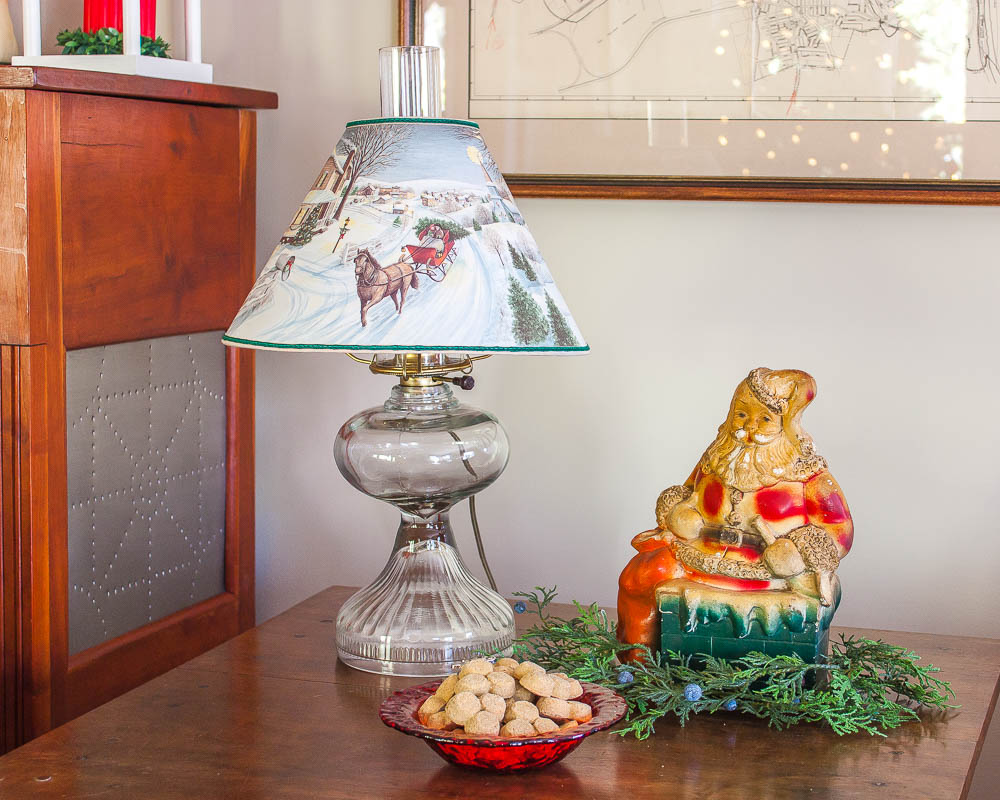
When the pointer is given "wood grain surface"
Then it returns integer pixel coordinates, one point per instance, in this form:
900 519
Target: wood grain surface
13 218
11 711
151 215
81 81
273 714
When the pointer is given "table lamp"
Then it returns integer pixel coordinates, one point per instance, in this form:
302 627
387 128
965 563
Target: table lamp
409 247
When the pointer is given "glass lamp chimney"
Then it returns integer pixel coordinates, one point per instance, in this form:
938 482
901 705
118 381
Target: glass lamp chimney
410 79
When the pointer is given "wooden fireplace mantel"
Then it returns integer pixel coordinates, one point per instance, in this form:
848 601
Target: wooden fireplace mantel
127 212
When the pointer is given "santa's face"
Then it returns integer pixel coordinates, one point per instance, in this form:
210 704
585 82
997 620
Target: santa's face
752 448
751 422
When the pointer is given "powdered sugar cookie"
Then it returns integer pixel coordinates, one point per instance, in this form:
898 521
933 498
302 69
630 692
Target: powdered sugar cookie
520 693
473 682
561 688
483 723
581 712
545 725
525 667
439 722
517 728
520 709
462 706
478 666
494 704
447 688
431 705
538 683
554 708
501 684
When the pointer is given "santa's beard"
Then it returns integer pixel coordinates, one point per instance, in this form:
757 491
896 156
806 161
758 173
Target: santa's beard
748 466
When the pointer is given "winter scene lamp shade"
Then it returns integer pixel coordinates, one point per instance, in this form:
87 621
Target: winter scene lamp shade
408 240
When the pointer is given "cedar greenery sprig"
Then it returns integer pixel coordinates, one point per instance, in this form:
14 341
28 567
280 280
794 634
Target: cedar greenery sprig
107 41
870 686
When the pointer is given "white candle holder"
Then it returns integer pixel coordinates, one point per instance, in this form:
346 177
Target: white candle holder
128 63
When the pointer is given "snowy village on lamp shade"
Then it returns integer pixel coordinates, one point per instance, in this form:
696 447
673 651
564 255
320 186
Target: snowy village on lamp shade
408 240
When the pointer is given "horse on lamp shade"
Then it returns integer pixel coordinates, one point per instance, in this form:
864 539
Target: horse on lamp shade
376 282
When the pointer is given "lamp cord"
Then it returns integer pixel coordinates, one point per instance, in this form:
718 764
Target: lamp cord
472 513
479 543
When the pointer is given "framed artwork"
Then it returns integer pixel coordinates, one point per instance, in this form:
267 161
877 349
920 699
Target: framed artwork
841 100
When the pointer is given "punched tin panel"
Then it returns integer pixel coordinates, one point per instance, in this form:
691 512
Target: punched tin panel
146 438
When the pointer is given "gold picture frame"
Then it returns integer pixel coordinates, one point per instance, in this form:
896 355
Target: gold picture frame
647 184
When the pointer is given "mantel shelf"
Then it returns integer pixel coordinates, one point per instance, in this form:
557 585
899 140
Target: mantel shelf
54 79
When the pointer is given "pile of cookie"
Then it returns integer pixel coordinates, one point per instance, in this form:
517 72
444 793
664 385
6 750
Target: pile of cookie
509 698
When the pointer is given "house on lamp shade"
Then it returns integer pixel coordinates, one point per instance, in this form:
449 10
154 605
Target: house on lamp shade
365 194
323 200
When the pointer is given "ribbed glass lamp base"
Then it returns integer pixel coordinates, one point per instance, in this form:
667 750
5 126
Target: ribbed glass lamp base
422 451
423 615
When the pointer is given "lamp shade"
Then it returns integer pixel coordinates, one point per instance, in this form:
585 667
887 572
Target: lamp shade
408 240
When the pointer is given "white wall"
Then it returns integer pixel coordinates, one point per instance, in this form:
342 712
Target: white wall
890 307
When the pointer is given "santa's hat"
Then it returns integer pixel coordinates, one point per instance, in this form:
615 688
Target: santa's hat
783 391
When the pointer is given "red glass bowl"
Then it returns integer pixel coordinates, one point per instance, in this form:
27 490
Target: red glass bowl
399 711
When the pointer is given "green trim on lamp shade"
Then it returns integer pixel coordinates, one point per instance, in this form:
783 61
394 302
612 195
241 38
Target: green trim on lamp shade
430 120
371 348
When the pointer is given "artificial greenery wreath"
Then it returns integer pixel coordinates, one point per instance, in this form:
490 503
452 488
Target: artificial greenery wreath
107 41
869 686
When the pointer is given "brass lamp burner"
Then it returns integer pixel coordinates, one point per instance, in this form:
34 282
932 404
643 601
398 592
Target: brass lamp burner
424 369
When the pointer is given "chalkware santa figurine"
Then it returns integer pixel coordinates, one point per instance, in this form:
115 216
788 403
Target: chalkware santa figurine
745 552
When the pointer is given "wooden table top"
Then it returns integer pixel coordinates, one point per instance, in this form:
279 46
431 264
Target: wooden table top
273 714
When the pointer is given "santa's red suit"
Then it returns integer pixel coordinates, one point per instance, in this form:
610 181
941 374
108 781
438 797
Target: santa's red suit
664 557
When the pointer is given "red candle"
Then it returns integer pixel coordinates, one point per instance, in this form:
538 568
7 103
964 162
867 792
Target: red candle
108 14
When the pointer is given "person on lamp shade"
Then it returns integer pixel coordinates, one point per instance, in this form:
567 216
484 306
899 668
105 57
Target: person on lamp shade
435 236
